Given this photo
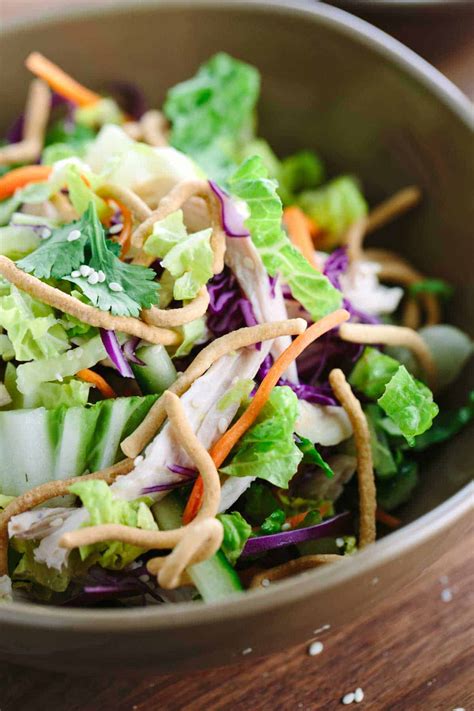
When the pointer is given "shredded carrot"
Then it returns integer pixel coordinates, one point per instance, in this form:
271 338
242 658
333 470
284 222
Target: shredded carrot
312 225
124 238
387 519
20 177
224 445
61 82
299 232
297 519
98 381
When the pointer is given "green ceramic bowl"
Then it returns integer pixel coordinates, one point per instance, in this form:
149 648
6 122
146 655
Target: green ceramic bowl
371 107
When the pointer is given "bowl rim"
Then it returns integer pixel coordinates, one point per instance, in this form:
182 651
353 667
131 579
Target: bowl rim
291 591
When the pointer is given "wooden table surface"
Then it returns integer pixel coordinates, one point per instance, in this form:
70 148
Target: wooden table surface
414 653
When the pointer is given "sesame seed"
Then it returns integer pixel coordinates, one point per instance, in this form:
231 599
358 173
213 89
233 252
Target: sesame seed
358 695
315 648
93 278
115 286
138 460
340 542
76 274
286 527
247 650
45 232
101 276
73 235
446 595
59 377
85 270
115 229
348 699
265 583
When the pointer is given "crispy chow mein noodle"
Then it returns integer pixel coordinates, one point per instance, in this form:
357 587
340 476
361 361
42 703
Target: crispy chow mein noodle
293 567
127 197
45 492
365 469
170 318
37 111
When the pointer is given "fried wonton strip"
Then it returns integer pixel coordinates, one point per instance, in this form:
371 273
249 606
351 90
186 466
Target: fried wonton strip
199 542
399 271
354 239
243 337
365 469
392 336
38 107
293 567
177 317
154 128
390 209
411 313
175 200
88 314
127 197
43 493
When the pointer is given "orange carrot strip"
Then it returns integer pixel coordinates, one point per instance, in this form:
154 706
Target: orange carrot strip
224 445
387 519
61 82
98 381
296 519
124 238
20 177
299 233
312 225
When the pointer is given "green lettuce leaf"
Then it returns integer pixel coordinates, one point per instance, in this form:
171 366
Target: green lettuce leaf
308 286
187 257
409 403
74 135
397 490
5 500
447 425
41 579
32 327
384 462
16 241
192 333
301 171
212 114
7 351
238 393
432 286
312 456
259 502
372 372
102 112
268 450
236 533
99 501
335 206
273 523
82 196
73 393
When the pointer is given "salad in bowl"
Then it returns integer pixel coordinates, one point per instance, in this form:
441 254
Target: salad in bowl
207 381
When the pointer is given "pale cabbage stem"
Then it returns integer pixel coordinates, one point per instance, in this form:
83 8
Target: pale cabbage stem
198 542
37 110
382 214
50 490
293 567
178 317
127 197
88 314
392 336
365 468
135 443
173 201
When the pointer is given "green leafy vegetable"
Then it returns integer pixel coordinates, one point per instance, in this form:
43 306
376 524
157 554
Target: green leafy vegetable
384 463
335 206
212 113
81 195
236 533
310 287
73 393
273 523
136 288
7 352
57 256
16 241
32 327
301 171
42 579
71 134
238 393
312 456
187 257
447 425
409 404
259 502
268 450
372 372
104 111
431 286
192 333
396 490
5 500
99 501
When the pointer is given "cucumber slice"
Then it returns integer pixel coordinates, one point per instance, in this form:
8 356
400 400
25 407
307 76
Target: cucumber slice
158 373
37 446
215 579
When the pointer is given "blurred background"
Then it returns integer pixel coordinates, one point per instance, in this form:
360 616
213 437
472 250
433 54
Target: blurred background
441 31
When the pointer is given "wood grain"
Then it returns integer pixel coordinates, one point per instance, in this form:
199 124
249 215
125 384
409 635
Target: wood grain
414 653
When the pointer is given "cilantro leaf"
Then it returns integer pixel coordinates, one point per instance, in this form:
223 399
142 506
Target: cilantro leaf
135 285
56 257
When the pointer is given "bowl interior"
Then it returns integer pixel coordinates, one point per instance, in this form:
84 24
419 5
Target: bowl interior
325 86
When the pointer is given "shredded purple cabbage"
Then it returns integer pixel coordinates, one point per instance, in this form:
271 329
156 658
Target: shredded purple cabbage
114 351
129 348
106 585
336 526
228 310
129 97
232 219
183 471
335 265
273 282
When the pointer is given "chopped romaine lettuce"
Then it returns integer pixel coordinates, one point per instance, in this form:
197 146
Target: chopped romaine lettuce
72 393
273 523
409 404
384 462
397 489
31 326
17 240
312 456
372 372
102 112
187 257
212 114
301 171
192 332
236 533
308 286
447 425
268 449
237 393
82 195
103 508
7 351
335 206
